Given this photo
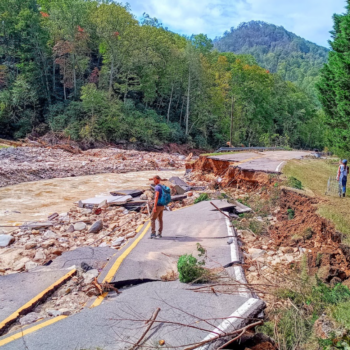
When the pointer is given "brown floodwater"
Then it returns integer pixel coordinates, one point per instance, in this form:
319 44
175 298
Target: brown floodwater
32 201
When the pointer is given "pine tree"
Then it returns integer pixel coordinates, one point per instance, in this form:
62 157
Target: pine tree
334 85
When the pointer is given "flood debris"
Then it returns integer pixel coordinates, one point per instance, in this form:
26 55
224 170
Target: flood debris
103 200
132 193
25 164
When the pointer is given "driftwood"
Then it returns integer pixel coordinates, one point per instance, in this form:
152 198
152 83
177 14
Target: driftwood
228 216
11 143
234 229
68 148
104 287
150 324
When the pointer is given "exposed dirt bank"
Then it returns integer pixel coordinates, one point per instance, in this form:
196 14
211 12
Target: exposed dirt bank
25 164
298 225
230 175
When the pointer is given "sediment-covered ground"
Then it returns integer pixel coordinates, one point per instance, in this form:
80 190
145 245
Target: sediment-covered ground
25 164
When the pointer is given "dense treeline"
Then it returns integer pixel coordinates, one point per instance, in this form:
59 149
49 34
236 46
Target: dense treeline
90 70
274 48
334 86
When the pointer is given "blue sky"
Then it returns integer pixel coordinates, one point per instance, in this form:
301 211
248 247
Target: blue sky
310 19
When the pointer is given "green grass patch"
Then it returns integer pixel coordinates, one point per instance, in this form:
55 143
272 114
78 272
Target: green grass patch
314 174
256 227
295 183
341 313
217 154
202 197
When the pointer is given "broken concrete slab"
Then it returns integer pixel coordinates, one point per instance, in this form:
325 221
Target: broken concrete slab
177 181
183 229
180 190
232 206
112 327
178 197
96 257
21 291
180 186
241 208
132 193
116 200
37 225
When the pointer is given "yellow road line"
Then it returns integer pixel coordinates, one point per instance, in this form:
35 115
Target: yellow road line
112 271
37 298
118 262
139 228
98 300
30 330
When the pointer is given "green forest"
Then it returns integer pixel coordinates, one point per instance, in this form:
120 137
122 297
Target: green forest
274 48
89 70
334 87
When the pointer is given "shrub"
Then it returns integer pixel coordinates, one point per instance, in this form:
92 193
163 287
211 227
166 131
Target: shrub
189 268
201 198
290 213
256 226
307 234
341 313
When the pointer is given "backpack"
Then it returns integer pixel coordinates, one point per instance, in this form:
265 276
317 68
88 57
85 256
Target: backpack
165 199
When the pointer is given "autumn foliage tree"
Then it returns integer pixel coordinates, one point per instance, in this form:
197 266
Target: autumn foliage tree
92 71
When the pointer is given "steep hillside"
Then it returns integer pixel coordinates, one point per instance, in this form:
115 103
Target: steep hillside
277 50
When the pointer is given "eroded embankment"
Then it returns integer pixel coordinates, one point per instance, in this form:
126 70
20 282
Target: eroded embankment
230 173
298 225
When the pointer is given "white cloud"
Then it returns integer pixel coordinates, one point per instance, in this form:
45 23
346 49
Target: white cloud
310 19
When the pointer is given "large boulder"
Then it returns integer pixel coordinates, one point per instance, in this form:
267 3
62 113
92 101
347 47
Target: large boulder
96 227
6 240
79 226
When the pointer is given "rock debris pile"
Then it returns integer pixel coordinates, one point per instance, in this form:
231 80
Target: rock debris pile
26 247
25 164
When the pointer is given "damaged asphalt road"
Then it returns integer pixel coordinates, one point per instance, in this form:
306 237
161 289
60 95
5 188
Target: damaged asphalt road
118 320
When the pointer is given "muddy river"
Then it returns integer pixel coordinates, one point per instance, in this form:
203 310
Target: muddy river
31 201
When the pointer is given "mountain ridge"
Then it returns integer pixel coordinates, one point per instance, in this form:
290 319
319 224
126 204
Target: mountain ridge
278 50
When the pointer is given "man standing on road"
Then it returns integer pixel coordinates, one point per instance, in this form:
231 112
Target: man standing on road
157 212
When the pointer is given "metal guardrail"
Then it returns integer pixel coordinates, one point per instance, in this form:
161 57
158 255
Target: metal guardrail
233 149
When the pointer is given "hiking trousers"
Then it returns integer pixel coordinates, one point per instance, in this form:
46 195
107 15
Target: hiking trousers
158 214
342 183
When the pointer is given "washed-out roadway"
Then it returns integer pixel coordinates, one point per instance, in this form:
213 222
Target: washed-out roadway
117 321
